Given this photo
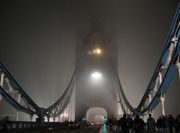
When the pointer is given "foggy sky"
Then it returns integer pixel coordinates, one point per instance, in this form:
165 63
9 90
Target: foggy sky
38 40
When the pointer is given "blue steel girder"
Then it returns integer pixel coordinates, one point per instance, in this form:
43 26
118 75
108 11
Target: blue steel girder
14 103
17 87
170 72
164 71
166 82
174 31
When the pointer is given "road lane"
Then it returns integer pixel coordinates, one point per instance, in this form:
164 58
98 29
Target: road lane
86 130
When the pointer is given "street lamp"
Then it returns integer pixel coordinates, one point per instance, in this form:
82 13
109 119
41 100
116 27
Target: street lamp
96 75
96 51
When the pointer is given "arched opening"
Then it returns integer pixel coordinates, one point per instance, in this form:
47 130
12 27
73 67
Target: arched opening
96 115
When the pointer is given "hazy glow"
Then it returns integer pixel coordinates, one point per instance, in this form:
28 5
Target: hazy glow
96 75
97 51
64 115
96 115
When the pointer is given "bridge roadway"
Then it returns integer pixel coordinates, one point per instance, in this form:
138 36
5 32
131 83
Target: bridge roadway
90 129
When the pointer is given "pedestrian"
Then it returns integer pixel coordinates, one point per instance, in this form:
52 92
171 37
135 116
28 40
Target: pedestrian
4 123
138 124
177 124
110 123
159 124
123 124
129 123
164 124
151 124
171 123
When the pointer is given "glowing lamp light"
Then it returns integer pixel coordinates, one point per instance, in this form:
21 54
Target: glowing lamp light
97 51
96 75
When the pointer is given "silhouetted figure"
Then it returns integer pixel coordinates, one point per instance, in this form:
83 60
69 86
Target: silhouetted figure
151 124
110 124
124 124
177 124
138 124
5 121
159 123
115 125
164 124
170 123
129 123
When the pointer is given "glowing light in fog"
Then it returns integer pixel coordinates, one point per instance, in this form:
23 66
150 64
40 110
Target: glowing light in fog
97 51
96 75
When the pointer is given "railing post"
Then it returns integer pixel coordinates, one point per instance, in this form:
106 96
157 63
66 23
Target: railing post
162 98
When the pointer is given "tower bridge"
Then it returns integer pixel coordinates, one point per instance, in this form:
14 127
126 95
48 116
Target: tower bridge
94 90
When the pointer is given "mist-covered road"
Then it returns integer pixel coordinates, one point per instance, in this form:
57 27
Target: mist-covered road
90 129
80 130
83 130
86 130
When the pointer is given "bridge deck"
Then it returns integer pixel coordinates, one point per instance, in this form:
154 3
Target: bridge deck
95 129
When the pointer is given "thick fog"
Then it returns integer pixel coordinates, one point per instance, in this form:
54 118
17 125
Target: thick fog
39 38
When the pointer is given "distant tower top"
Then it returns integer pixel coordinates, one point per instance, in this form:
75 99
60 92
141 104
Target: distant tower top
96 36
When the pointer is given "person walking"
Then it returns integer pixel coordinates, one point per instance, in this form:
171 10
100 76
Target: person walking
138 124
129 123
165 124
151 124
171 123
123 124
177 124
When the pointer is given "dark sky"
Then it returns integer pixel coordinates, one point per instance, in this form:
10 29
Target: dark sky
38 39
